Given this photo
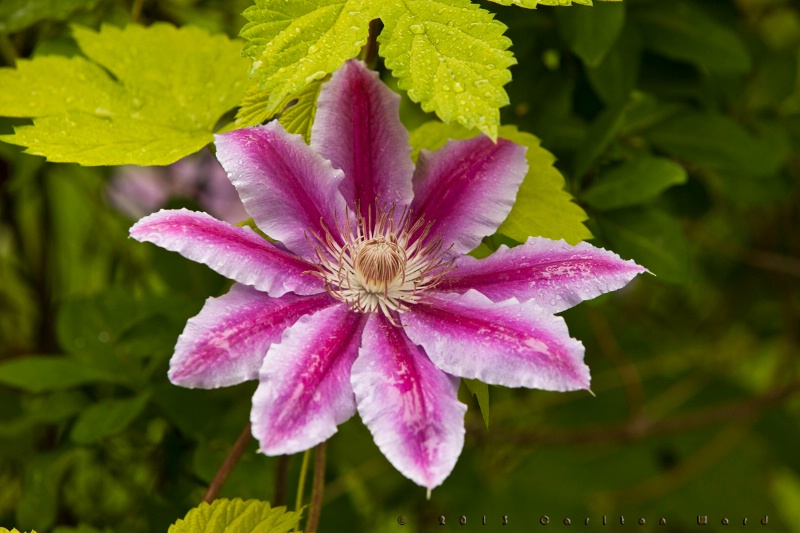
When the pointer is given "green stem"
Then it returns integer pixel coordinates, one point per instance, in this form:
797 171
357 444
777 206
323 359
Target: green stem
318 489
301 485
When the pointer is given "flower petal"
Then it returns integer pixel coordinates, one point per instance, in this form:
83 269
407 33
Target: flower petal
553 273
237 253
225 344
357 127
289 190
409 405
502 343
467 188
304 390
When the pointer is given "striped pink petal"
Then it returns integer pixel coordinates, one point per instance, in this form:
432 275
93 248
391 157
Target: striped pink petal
225 344
289 190
357 127
236 252
409 405
467 188
502 343
553 273
304 390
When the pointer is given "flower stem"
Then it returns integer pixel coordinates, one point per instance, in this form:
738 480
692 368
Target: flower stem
136 10
318 489
301 485
281 469
227 465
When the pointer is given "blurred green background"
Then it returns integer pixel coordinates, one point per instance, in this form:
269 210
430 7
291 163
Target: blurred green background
677 126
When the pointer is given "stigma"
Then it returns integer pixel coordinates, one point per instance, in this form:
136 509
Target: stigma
381 264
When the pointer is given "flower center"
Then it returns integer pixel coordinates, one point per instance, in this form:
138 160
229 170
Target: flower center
382 265
379 262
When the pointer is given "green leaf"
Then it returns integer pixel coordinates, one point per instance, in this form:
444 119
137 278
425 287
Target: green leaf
604 130
533 3
684 32
650 237
106 418
451 57
716 141
590 33
543 207
294 43
530 4
48 373
569 2
774 80
17 15
169 88
300 117
481 392
236 516
616 76
38 505
634 182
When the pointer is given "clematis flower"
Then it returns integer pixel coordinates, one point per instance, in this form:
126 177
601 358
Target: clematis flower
368 302
139 191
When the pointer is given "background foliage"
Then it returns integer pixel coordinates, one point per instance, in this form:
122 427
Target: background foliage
676 126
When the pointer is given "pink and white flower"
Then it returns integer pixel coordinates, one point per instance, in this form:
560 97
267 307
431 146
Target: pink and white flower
368 303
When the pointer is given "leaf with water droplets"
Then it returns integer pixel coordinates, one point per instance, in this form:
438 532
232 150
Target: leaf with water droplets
292 44
531 4
169 88
451 57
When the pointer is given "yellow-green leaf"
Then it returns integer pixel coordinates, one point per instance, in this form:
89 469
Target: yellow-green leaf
531 4
299 117
166 90
236 516
451 57
543 208
294 43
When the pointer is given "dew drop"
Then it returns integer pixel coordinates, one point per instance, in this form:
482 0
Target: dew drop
417 28
312 49
316 76
457 87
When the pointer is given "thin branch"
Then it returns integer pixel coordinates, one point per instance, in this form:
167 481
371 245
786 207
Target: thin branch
693 466
318 489
7 51
627 371
228 464
369 53
281 471
136 10
647 427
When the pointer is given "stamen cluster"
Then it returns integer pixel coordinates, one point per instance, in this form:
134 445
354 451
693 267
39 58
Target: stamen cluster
382 265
